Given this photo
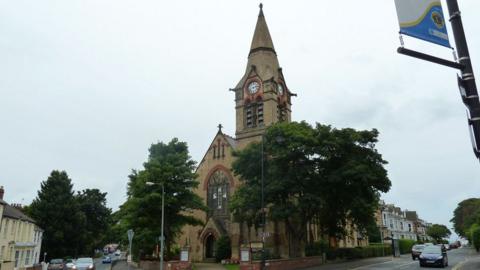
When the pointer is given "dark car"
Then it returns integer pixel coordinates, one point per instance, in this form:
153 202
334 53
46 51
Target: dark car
84 264
56 264
107 259
433 255
416 251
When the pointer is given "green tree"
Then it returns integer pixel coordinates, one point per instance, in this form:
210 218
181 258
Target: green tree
438 232
169 165
57 212
473 235
311 175
93 204
223 248
465 215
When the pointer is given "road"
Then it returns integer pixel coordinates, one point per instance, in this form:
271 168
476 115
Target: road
458 259
107 266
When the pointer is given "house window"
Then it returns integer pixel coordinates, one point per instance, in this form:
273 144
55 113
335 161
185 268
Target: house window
17 255
27 258
217 194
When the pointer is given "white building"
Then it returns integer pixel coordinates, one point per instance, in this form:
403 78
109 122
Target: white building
394 224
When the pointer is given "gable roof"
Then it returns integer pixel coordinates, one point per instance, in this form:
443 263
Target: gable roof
12 212
229 139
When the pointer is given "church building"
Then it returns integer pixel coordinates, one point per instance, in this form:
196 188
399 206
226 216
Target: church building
262 98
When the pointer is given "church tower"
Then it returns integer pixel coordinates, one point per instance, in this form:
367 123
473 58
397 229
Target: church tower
262 97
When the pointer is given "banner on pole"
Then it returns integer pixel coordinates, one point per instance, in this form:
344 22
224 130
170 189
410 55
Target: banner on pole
423 19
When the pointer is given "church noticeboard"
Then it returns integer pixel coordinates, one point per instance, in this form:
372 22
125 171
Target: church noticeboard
184 256
256 245
245 255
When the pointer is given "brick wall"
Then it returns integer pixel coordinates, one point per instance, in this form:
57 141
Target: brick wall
283 264
170 265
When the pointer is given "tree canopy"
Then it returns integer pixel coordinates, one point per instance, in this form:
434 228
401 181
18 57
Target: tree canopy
311 175
169 165
438 232
56 211
465 215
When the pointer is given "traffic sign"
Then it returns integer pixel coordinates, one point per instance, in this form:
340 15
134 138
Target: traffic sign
130 234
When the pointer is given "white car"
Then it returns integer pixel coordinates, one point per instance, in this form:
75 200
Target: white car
118 252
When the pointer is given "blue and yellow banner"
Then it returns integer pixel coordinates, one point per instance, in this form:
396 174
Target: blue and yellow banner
423 19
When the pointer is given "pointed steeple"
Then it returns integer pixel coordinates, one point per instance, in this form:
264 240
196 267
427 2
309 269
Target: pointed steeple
261 37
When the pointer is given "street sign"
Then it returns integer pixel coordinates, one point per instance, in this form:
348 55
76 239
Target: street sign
423 19
130 234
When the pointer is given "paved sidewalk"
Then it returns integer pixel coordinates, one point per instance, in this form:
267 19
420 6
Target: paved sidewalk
208 266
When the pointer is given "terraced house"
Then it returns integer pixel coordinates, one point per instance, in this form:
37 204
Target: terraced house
20 238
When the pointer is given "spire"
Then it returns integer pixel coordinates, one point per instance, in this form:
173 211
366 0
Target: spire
261 37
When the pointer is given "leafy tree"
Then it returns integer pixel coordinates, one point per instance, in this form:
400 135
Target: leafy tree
311 174
465 215
438 232
169 165
93 204
56 211
223 248
474 236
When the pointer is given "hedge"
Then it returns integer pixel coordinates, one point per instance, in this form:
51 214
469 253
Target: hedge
359 252
406 245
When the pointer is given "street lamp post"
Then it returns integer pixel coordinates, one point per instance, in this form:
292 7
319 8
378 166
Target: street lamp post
262 266
162 237
279 139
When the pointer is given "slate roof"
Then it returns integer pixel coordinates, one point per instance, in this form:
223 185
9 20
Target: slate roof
12 212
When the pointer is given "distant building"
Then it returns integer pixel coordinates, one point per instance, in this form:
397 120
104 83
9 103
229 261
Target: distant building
20 237
393 223
420 226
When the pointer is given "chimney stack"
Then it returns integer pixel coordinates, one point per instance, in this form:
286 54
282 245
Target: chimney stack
2 191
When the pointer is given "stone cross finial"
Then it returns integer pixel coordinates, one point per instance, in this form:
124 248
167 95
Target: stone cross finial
220 127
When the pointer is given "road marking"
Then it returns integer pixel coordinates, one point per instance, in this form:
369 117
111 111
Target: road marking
360 267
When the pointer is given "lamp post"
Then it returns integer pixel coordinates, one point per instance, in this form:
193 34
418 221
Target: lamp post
162 237
279 139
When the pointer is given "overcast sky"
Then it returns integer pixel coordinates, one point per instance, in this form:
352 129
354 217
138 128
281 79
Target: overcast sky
86 86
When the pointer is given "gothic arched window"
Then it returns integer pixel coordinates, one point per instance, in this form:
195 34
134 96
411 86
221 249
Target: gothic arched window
218 193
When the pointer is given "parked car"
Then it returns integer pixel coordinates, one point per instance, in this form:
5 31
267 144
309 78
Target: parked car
56 264
107 259
84 264
433 255
416 251
118 252
69 263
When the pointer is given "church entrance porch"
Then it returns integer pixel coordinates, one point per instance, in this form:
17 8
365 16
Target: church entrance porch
210 247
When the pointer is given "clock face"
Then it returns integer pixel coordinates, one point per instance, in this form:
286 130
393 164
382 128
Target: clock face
280 89
253 87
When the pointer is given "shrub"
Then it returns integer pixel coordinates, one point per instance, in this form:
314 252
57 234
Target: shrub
474 232
223 248
406 245
316 248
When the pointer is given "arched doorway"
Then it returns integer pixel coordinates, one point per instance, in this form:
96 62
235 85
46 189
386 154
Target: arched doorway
210 247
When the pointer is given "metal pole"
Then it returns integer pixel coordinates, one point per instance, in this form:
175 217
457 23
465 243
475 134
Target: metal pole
467 73
163 221
263 206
